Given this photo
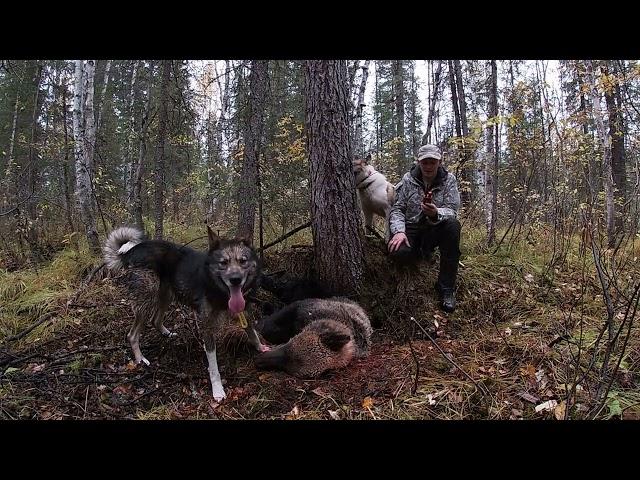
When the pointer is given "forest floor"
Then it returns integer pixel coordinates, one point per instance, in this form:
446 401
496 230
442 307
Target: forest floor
503 354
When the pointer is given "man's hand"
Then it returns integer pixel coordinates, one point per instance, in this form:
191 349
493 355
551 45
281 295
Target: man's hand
397 240
430 210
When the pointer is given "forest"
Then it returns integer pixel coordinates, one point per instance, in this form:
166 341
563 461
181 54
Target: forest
545 153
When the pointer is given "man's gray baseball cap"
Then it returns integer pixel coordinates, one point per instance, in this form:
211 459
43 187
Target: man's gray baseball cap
429 151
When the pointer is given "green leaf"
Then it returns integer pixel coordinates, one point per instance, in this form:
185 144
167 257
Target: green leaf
614 408
11 370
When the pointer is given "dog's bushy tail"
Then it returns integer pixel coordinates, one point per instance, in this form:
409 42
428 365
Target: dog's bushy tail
120 241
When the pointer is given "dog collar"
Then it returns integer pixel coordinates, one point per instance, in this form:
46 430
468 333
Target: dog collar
364 180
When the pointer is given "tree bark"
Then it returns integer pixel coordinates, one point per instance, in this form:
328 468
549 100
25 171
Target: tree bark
142 154
334 212
10 197
426 138
616 135
128 159
84 186
398 90
359 143
248 190
158 197
606 153
493 137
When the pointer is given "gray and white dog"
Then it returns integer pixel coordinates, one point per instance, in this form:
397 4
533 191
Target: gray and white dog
376 193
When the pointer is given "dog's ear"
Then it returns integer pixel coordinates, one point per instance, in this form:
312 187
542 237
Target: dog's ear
334 341
214 240
367 159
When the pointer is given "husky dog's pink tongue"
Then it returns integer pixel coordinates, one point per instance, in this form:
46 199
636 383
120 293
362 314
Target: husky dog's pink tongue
236 301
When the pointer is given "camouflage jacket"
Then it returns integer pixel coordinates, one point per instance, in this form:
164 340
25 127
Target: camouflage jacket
409 194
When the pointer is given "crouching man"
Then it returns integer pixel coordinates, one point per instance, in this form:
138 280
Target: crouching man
424 216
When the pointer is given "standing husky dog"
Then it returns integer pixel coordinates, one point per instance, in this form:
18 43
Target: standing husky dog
327 334
376 194
212 283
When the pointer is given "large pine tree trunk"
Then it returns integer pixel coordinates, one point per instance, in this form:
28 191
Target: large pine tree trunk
158 197
248 190
359 143
606 152
83 172
334 212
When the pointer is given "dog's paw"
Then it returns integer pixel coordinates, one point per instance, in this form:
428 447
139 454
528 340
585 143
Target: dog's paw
218 394
143 361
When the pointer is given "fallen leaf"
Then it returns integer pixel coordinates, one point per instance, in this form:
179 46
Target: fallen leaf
294 413
507 331
528 277
11 370
560 410
321 393
367 402
528 397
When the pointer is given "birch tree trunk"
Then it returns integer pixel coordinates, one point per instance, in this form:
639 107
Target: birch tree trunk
604 140
10 196
493 140
83 177
359 142
89 117
426 138
103 95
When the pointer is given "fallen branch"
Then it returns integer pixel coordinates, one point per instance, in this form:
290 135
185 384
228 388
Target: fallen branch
481 388
285 236
415 359
18 336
